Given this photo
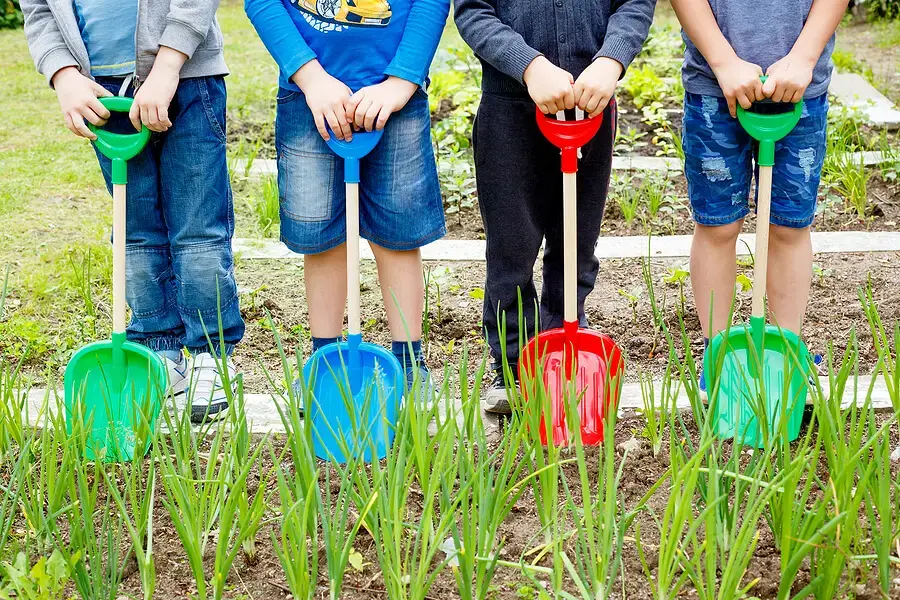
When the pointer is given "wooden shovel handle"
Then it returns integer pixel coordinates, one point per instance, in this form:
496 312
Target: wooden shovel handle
761 261
118 274
354 326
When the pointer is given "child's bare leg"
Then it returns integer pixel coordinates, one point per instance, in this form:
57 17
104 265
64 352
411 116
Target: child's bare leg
403 290
713 272
790 252
326 291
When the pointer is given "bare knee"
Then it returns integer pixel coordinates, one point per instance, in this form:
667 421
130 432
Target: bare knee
719 235
389 256
789 236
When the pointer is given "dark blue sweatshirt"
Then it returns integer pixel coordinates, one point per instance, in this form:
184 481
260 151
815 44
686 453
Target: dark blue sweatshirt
507 35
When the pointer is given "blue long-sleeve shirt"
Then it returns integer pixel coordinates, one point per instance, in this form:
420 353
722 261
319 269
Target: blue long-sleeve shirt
359 42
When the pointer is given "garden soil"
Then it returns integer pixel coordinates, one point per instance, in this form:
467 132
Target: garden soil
882 213
274 288
519 533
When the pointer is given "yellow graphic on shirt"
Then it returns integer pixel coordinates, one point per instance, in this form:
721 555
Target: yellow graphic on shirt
366 13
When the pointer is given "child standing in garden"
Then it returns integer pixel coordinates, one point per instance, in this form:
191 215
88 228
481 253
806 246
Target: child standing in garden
729 45
557 55
167 54
346 66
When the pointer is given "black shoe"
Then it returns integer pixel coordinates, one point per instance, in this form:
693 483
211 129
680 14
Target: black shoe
496 396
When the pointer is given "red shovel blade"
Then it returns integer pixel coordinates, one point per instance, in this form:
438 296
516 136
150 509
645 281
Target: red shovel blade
598 370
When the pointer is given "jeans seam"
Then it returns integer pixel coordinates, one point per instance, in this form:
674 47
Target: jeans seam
717 220
208 108
198 248
135 314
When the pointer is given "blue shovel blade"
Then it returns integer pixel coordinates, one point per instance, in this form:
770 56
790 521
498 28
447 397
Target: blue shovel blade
354 401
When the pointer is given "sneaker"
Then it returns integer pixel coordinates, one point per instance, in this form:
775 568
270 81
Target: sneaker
420 385
701 383
496 398
177 370
207 392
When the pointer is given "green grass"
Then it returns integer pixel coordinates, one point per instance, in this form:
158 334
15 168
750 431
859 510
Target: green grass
845 62
55 210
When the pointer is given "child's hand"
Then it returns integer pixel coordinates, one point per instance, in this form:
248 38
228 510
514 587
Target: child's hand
327 99
371 107
549 86
740 83
788 79
78 100
152 100
595 87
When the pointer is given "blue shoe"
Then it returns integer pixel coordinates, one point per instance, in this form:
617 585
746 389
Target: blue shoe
298 395
419 385
701 383
820 368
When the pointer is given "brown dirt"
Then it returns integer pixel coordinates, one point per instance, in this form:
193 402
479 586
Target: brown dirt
834 310
883 214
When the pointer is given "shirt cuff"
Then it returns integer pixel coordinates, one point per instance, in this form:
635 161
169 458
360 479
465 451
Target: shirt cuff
405 74
54 60
179 36
516 60
618 49
293 63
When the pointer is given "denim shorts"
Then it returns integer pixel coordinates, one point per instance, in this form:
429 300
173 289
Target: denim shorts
400 205
719 163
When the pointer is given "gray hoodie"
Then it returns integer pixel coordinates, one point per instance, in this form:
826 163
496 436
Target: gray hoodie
188 26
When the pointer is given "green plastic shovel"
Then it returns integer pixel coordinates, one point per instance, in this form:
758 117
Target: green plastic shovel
114 389
758 374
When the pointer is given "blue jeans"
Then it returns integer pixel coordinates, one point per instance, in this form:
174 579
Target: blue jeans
180 221
400 205
718 163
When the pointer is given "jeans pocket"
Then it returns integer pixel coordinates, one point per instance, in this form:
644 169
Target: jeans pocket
306 185
286 95
212 94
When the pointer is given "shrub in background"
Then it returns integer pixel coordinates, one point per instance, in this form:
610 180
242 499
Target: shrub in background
878 9
10 14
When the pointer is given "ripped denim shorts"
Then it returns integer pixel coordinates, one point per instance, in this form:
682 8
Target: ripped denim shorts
719 162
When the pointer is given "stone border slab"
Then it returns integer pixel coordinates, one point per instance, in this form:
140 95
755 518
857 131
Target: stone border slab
263 415
676 246
266 166
854 91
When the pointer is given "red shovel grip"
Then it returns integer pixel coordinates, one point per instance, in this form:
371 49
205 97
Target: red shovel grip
568 136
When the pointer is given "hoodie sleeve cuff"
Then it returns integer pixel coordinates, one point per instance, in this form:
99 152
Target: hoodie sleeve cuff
618 49
54 60
180 36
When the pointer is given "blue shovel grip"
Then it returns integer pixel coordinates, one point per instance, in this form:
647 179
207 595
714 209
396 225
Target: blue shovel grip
352 152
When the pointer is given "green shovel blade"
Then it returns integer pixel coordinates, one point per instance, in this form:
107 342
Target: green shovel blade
114 390
758 381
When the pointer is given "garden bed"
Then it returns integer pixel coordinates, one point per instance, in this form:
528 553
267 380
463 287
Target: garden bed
629 195
620 306
645 457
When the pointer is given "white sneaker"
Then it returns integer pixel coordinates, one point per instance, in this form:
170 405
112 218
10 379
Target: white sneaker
177 371
207 393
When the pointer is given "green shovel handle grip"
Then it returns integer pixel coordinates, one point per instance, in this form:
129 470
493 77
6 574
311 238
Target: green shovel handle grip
119 147
768 129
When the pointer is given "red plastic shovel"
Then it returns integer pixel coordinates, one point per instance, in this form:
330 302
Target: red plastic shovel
578 366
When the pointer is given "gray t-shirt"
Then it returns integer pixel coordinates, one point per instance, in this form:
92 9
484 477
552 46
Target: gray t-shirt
761 32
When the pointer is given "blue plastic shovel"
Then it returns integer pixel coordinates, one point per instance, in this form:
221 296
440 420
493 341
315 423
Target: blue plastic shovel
356 387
